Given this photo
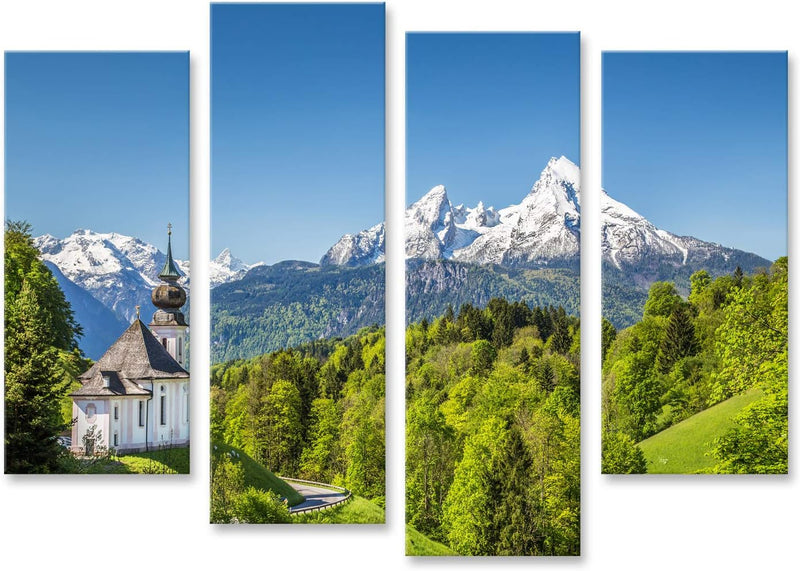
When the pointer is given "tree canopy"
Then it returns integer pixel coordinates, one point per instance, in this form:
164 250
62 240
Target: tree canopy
41 357
729 337
492 429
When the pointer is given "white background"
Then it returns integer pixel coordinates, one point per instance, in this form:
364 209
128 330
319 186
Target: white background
628 523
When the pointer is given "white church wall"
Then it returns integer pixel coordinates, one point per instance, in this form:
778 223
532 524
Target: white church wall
91 413
175 429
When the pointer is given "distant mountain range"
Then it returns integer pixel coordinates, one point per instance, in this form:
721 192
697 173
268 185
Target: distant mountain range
455 254
104 277
543 230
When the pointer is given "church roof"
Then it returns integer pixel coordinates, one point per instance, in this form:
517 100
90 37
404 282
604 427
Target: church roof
116 386
136 355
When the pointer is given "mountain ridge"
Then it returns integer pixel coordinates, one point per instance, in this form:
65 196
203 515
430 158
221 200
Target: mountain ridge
104 277
543 230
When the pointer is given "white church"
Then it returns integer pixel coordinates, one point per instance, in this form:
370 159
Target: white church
136 396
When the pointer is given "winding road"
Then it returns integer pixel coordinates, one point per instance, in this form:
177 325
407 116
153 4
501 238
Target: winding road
315 497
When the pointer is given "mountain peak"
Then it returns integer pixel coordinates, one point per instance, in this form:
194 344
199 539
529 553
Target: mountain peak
224 257
227 267
434 198
564 169
543 230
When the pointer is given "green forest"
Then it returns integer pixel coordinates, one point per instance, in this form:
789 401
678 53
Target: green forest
42 359
314 412
707 373
493 430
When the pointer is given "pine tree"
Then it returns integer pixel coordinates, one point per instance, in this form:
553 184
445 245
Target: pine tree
738 275
524 360
679 339
546 377
609 333
562 340
515 518
34 387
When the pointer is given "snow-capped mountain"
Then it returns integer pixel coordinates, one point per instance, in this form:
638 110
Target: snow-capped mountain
542 230
366 247
634 245
105 276
119 271
226 268
628 237
544 227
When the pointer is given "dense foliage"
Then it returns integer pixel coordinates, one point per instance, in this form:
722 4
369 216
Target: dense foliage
625 288
492 430
730 336
234 501
314 412
41 357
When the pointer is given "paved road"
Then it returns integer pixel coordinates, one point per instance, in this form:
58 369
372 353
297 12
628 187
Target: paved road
315 497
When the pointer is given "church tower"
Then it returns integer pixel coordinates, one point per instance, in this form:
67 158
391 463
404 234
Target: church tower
169 324
136 396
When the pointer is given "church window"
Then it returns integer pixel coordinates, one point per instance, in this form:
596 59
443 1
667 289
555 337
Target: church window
141 413
116 439
164 342
116 412
163 409
180 349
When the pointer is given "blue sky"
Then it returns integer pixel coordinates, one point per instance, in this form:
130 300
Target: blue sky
696 143
297 127
486 111
99 140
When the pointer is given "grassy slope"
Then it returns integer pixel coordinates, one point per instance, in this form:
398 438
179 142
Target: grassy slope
357 510
682 448
167 461
259 477
170 461
419 544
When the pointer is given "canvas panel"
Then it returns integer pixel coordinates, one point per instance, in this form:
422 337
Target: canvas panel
97 266
695 273
297 300
492 271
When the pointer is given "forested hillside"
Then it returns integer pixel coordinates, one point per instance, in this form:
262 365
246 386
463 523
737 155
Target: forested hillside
433 285
493 430
314 412
291 303
729 337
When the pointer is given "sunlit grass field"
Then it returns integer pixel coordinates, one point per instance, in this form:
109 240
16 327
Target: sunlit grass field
685 447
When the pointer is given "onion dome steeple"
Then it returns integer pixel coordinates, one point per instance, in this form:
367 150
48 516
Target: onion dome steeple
169 296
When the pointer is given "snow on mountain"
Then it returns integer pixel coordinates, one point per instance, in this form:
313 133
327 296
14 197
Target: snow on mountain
543 227
628 237
542 230
119 271
226 267
366 247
